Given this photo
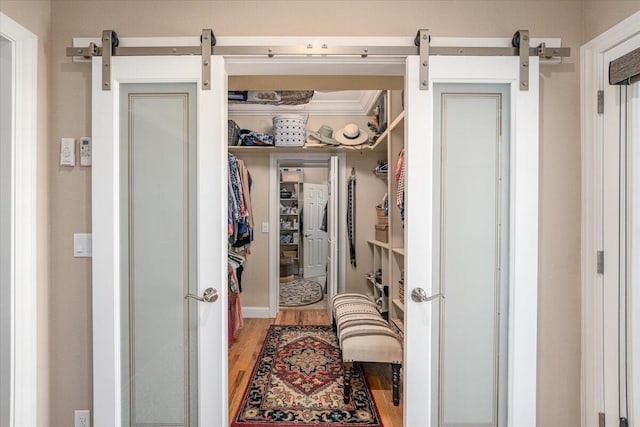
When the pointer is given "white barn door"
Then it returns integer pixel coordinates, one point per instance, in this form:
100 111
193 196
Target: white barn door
421 391
159 232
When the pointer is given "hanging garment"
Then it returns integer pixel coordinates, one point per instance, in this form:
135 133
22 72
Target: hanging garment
235 308
240 214
351 216
400 184
246 189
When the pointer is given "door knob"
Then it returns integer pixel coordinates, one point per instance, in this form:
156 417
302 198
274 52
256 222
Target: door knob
419 295
209 295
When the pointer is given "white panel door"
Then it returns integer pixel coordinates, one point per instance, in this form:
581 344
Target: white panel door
332 232
610 223
420 384
196 221
620 321
315 240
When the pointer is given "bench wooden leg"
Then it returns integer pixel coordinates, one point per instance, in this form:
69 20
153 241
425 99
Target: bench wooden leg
347 380
395 367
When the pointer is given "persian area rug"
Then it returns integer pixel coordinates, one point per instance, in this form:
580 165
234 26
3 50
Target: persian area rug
300 292
297 381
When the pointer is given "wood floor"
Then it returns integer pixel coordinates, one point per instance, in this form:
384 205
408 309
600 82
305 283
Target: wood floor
248 343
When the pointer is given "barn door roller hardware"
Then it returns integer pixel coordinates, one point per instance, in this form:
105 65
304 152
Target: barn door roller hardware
422 47
110 38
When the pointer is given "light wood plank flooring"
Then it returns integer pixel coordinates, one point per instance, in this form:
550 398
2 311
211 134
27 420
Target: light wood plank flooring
248 343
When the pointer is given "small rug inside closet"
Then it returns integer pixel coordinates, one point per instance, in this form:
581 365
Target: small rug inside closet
297 381
300 292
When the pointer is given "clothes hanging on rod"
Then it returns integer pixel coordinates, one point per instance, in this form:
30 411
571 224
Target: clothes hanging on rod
351 216
240 215
400 184
240 230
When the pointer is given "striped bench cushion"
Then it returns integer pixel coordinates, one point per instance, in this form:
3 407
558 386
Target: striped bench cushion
363 334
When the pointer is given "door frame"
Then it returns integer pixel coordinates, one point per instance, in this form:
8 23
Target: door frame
524 181
24 262
274 203
593 79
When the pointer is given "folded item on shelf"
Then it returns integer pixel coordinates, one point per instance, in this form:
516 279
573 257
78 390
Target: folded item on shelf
250 138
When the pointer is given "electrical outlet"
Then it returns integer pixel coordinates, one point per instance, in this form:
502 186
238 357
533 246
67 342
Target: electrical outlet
82 418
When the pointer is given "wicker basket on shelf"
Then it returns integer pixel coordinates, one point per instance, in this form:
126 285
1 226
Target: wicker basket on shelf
290 130
290 254
382 218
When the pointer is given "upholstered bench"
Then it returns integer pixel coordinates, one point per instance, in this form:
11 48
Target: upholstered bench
364 336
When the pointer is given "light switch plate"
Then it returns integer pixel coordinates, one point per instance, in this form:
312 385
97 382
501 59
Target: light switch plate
67 152
82 245
265 227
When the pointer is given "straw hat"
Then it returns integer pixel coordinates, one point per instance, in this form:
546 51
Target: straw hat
324 134
351 134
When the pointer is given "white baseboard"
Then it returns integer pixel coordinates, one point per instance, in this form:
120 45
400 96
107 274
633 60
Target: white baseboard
256 312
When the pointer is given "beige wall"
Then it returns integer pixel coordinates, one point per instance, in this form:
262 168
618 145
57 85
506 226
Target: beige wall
559 312
64 194
600 15
35 16
319 175
255 280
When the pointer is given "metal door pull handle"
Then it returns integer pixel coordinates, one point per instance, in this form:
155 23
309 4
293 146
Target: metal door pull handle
209 295
419 295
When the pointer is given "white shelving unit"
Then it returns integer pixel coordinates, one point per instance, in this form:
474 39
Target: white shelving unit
289 223
388 257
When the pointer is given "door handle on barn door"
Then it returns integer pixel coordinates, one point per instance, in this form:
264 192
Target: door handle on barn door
419 295
209 295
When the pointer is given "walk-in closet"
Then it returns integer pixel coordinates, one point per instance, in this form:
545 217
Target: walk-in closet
292 191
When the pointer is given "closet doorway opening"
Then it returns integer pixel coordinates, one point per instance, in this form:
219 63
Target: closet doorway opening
303 239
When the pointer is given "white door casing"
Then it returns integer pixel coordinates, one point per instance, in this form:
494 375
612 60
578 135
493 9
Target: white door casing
315 240
211 222
523 231
274 202
600 217
19 331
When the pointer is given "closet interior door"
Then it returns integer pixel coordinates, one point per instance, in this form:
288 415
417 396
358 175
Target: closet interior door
315 240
